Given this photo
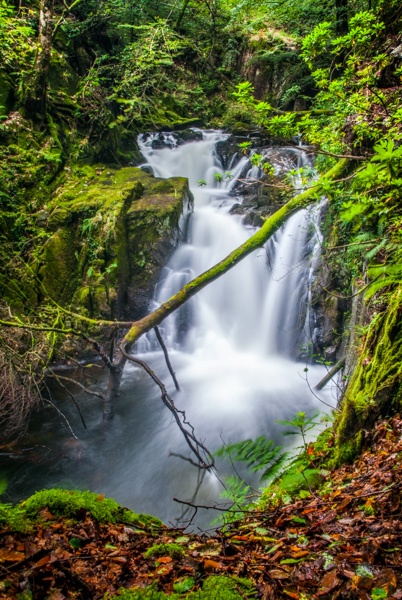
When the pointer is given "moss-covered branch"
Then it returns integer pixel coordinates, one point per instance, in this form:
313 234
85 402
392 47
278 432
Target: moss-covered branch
256 241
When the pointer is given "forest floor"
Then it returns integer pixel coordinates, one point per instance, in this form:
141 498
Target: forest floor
344 543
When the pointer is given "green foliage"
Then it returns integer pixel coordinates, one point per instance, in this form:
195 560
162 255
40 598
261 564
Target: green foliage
239 493
317 42
244 93
259 455
260 161
245 146
283 125
146 68
378 594
219 177
217 587
302 425
17 34
3 484
287 475
183 585
13 517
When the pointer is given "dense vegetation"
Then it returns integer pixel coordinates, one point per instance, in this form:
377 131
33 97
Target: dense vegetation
78 82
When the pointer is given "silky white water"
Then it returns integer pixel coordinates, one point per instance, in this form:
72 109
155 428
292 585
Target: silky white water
233 348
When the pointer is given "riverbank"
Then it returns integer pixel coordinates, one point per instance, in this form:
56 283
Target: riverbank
342 541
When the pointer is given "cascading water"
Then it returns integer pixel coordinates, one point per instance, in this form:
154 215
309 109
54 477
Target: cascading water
233 348
250 308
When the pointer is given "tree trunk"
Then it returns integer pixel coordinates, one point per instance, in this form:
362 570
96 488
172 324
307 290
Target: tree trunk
182 13
256 241
36 102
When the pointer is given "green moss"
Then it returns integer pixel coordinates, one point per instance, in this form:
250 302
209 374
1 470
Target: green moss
214 588
6 93
348 450
59 269
173 550
375 388
108 227
73 504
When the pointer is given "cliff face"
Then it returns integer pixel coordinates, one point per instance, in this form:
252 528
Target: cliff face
270 60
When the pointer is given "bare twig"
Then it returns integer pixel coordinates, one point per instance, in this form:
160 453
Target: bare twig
166 355
61 414
193 443
78 384
77 406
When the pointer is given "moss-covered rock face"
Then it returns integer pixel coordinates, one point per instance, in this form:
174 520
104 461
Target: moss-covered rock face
271 62
110 233
375 389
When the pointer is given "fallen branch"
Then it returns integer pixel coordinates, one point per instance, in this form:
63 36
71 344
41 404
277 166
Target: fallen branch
339 365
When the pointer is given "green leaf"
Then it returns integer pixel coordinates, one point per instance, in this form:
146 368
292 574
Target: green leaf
298 520
292 561
183 585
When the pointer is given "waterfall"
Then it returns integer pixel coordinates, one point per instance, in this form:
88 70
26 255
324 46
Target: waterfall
235 348
263 304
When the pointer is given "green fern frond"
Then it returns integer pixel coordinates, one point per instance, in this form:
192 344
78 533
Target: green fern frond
372 253
236 490
275 468
258 454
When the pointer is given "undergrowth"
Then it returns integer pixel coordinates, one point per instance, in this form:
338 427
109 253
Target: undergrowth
214 587
287 475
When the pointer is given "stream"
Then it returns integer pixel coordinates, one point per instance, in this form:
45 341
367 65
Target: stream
236 349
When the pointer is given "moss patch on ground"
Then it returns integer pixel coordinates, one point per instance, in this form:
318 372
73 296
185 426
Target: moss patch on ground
215 587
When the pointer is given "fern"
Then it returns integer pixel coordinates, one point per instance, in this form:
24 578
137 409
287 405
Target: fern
259 455
372 253
236 491
386 276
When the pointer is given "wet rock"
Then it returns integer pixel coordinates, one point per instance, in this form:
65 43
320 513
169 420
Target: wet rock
330 353
171 139
189 135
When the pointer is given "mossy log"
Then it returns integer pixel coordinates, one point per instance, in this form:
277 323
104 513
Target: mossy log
255 242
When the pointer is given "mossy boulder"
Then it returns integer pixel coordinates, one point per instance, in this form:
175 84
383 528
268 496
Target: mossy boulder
59 270
111 231
71 504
